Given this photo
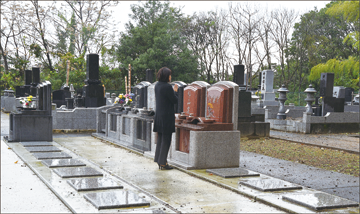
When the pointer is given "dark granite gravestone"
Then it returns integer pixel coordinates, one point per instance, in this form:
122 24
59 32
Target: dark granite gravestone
43 149
35 80
140 91
115 199
77 172
348 94
52 163
89 184
238 77
232 172
180 94
28 77
244 109
269 184
33 124
150 75
93 91
59 97
326 84
332 104
319 201
69 103
51 155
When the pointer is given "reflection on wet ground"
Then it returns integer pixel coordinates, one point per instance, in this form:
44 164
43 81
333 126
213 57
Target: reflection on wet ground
77 172
269 184
87 184
62 163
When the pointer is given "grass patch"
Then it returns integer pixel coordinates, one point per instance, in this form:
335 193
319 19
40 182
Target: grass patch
328 159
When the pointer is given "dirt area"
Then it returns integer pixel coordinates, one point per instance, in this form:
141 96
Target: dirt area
328 159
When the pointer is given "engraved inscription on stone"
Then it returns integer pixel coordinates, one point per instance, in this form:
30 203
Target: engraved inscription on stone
51 155
115 199
77 172
87 184
51 163
31 144
232 172
319 201
270 184
43 149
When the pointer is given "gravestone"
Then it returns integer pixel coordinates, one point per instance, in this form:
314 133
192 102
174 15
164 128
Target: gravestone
180 94
267 90
348 94
140 91
329 103
60 96
239 75
150 75
339 92
195 98
93 92
35 80
326 84
151 101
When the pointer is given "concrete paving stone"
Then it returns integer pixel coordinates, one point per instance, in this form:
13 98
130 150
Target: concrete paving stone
51 155
43 149
232 172
31 144
77 172
269 184
116 199
52 163
320 201
87 184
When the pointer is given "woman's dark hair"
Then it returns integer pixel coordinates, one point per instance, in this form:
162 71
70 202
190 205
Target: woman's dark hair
164 74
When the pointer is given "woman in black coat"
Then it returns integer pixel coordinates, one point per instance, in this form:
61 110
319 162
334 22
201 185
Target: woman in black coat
164 121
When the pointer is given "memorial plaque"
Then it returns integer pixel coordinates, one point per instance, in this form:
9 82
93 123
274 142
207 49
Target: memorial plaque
77 172
43 149
232 172
52 163
219 103
192 100
51 155
116 199
320 201
267 185
88 184
31 144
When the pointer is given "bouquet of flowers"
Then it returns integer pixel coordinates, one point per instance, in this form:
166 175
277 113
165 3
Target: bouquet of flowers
124 99
27 102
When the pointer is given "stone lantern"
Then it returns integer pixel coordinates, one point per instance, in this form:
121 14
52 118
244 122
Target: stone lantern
282 98
310 97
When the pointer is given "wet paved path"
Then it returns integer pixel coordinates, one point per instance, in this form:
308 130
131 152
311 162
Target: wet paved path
345 142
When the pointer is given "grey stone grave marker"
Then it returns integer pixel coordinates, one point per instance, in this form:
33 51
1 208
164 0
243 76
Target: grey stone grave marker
267 90
116 199
51 155
320 201
232 172
77 172
270 184
43 149
52 163
32 144
88 184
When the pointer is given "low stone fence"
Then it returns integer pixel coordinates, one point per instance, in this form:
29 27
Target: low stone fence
80 119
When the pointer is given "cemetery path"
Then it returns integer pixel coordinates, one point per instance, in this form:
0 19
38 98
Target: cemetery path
346 142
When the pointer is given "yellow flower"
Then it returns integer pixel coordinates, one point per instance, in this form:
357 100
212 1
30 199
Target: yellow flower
130 100
210 105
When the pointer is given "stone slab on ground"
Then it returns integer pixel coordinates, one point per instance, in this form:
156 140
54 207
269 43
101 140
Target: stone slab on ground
32 144
232 172
52 163
43 149
116 199
269 184
320 201
77 172
88 184
334 183
51 155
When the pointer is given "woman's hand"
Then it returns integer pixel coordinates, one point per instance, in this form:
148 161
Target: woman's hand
176 87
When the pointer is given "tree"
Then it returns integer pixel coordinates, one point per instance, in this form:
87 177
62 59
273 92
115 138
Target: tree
153 40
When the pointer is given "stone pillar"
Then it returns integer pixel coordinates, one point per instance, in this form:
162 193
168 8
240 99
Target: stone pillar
150 75
310 98
282 98
238 77
69 103
267 90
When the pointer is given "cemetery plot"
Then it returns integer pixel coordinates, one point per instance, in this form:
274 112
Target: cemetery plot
43 149
77 172
232 172
51 163
88 184
30 144
320 201
51 155
117 199
269 184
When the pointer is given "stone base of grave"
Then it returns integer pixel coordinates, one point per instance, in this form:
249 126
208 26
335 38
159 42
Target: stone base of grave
75 119
208 149
254 129
8 104
32 127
